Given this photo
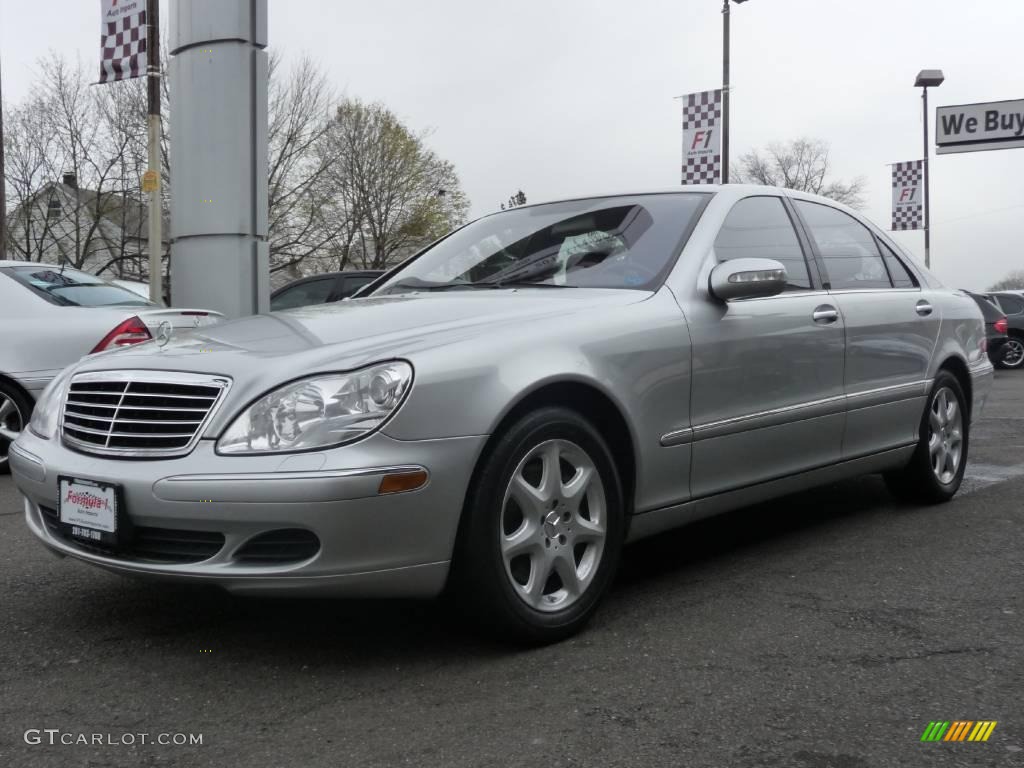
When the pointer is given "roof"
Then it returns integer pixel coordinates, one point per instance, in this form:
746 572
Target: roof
116 208
733 190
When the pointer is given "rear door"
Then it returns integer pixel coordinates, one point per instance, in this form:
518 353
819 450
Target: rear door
767 381
891 329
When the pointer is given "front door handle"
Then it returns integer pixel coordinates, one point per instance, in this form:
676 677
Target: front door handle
923 308
825 313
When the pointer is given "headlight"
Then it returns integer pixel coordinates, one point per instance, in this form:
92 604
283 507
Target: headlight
319 412
46 414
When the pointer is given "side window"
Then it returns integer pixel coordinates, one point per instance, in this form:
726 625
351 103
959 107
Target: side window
901 277
848 248
1011 304
304 294
760 228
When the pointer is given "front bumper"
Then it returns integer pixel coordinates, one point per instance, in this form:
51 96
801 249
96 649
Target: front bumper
369 544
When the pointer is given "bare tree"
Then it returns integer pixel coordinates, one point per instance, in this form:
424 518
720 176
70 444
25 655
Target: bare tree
347 185
71 148
802 164
395 194
28 168
1014 281
301 224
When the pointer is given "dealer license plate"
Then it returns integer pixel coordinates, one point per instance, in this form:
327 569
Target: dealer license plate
88 510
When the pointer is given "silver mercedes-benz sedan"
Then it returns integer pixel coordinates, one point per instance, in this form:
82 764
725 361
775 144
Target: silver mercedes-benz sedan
501 413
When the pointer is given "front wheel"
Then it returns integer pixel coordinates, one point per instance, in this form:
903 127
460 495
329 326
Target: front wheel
15 411
936 469
543 529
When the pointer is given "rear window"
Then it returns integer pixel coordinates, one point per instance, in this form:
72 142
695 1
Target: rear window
72 288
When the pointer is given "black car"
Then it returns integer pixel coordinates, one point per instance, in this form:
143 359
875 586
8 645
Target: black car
321 289
1012 305
995 327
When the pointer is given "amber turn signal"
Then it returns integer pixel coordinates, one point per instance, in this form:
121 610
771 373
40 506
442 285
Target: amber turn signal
401 482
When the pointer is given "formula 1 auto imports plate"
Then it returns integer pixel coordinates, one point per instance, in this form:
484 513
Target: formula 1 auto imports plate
88 510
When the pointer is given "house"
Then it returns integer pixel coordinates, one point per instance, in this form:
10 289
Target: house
100 231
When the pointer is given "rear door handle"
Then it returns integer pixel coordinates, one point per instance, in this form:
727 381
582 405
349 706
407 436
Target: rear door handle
825 313
923 308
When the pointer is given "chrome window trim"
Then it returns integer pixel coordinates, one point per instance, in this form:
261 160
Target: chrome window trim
811 409
155 377
840 291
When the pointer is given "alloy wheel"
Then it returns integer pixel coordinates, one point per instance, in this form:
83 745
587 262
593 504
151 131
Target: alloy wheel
11 424
945 435
553 525
1013 353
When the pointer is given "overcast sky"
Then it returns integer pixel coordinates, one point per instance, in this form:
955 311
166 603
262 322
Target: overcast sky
569 96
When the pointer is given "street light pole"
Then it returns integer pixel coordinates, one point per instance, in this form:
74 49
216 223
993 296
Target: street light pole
926 78
725 88
725 91
927 180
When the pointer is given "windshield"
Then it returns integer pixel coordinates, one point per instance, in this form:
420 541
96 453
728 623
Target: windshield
72 288
612 242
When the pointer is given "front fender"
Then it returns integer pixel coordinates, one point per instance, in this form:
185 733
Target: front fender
637 355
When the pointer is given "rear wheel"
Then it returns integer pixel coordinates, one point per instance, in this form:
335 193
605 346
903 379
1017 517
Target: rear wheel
936 469
543 529
1013 353
15 410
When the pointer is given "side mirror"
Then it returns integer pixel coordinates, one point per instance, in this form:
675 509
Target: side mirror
747 279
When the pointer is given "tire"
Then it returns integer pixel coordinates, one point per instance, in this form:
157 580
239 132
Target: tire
523 540
15 411
1013 354
935 471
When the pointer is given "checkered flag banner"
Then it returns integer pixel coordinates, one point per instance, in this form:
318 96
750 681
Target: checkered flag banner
702 141
122 39
907 201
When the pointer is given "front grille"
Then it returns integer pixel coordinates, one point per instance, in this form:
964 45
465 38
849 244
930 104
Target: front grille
170 546
138 413
285 545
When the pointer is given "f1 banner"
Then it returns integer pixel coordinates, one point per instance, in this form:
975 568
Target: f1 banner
123 34
907 195
702 140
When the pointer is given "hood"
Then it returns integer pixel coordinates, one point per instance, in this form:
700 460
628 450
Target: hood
281 346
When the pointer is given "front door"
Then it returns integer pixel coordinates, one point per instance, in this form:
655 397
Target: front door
767 389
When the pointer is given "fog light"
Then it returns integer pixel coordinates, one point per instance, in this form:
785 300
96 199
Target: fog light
401 482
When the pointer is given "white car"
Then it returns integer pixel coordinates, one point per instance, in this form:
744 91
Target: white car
52 316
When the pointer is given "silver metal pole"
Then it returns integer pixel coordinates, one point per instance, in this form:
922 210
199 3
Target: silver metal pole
218 74
155 214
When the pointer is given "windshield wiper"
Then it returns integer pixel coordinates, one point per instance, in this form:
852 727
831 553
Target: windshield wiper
522 284
417 284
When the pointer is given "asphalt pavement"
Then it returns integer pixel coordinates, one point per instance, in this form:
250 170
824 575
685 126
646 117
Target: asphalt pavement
826 629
